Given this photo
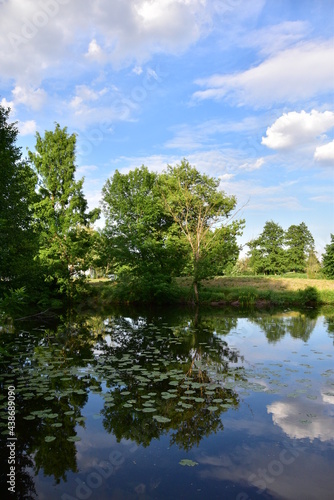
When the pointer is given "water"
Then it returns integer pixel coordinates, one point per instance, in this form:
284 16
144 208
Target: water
170 404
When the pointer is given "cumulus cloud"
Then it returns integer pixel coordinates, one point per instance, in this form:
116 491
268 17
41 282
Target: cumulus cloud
325 153
289 417
30 97
38 35
291 75
293 129
28 127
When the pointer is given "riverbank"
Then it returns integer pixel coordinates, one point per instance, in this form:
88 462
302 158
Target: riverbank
238 291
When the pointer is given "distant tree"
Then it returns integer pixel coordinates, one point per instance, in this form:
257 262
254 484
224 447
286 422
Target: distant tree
266 253
313 266
61 210
328 259
200 212
17 187
141 245
300 243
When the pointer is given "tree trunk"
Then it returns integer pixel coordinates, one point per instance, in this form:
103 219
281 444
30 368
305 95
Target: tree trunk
196 292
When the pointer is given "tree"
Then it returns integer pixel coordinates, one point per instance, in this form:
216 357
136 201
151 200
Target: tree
266 252
300 243
61 210
328 259
17 187
313 266
141 247
200 212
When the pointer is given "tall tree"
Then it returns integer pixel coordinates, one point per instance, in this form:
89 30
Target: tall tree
61 210
200 211
17 188
140 241
328 259
267 254
300 243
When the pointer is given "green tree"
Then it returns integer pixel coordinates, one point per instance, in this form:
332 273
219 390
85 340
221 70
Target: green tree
141 247
313 266
200 212
300 243
267 254
61 210
17 187
328 259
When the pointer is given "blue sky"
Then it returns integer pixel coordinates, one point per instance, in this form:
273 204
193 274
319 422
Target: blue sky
243 89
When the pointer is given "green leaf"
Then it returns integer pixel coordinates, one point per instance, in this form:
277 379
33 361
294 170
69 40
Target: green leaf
188 463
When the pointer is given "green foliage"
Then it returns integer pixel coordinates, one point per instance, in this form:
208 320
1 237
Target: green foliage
17 236
13 301
267 254
200 212
309 296
313 267
60 212
277 251
300 244
328 259
139 235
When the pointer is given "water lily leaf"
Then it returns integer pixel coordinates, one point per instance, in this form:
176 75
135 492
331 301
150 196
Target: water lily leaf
29 417
161 419
149 410
72 439
49 439
187 462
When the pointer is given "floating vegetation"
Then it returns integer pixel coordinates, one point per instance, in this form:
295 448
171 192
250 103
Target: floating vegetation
188 463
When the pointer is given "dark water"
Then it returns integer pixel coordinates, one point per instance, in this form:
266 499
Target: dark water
170 404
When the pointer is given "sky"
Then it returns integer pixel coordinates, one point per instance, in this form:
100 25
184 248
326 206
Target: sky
242 89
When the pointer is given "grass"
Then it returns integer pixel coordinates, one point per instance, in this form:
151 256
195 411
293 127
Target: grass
274 289
239 291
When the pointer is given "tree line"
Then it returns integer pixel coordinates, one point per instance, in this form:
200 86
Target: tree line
158 226
276 251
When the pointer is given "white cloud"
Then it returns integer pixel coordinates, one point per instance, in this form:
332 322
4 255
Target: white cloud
250 166
36 37
293 129
8 104
325 153
275 38
288 416
27 128
95 52
291 75
30 97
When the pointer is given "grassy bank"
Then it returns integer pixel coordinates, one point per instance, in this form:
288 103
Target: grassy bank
238 291
263 291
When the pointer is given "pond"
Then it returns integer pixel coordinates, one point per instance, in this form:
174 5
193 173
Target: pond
169 404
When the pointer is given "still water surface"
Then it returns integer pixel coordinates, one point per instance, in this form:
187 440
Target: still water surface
171 404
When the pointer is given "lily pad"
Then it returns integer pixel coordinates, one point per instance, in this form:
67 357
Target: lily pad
187 462
72 439
161 419
49 439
